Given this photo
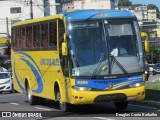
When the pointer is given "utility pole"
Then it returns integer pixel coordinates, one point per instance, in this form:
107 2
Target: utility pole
31 9
7 29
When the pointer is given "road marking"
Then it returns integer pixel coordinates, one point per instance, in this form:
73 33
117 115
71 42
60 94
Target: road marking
144 106
43 108
103 118
14 103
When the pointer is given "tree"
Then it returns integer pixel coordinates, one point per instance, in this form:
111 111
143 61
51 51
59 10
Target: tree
156 54
124 3
136 5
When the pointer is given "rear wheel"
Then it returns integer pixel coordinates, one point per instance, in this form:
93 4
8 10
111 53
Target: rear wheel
121 105
31 98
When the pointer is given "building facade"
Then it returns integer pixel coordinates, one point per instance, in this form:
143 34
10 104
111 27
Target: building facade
141 13
20 10
152 15
88 4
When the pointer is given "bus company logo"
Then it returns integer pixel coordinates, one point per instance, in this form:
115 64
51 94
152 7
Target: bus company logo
110 87
49 62
102 15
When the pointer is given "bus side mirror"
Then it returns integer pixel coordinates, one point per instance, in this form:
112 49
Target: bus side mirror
144 36
64 46
146 46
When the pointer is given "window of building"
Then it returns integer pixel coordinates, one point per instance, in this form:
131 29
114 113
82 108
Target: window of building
15 10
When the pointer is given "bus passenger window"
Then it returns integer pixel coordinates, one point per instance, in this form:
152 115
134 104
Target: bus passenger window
13 37
36 35
29 37
44 35
53 34
23 38
18 38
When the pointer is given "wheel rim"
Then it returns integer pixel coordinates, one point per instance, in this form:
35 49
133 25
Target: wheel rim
62 105
58 96
29 95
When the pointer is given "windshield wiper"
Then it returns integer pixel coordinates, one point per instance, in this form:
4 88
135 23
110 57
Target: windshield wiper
114 60
98 64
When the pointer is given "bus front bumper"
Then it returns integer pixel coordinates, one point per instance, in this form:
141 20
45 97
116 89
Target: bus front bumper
90 97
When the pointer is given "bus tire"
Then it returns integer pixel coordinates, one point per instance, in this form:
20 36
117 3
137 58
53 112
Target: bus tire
121 105
31 98
63 105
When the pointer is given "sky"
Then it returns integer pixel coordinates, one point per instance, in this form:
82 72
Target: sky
146 2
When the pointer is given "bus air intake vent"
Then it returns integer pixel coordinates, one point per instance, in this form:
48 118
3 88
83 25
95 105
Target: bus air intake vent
110 97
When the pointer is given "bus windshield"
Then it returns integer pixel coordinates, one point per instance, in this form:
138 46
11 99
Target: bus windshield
105 47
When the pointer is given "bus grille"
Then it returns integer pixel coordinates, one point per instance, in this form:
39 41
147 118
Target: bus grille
111 97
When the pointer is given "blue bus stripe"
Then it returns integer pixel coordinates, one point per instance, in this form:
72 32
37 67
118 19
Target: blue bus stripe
38 77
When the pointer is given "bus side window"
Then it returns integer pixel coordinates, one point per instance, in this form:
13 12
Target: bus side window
53 34
18 38
44 35
23 38
29 37
13 37
36 35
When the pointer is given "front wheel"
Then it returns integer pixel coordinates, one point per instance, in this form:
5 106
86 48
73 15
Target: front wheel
63 105
121 105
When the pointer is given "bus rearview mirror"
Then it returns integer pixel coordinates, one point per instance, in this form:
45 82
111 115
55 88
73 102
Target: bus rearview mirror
64 49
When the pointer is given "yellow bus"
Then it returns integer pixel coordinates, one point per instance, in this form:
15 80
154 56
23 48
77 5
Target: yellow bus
67 58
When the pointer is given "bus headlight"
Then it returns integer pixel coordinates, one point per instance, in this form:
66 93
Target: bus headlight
136 85
77 88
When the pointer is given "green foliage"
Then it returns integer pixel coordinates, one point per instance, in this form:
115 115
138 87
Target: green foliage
156 54
124 3
152 6
136 5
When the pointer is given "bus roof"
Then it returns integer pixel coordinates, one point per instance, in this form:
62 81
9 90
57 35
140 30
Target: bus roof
72 15
93 14
38 20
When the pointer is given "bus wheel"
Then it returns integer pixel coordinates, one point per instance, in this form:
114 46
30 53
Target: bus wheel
31 98
121 105
63 105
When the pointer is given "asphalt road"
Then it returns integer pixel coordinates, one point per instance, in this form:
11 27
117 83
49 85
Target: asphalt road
17 103
153 78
